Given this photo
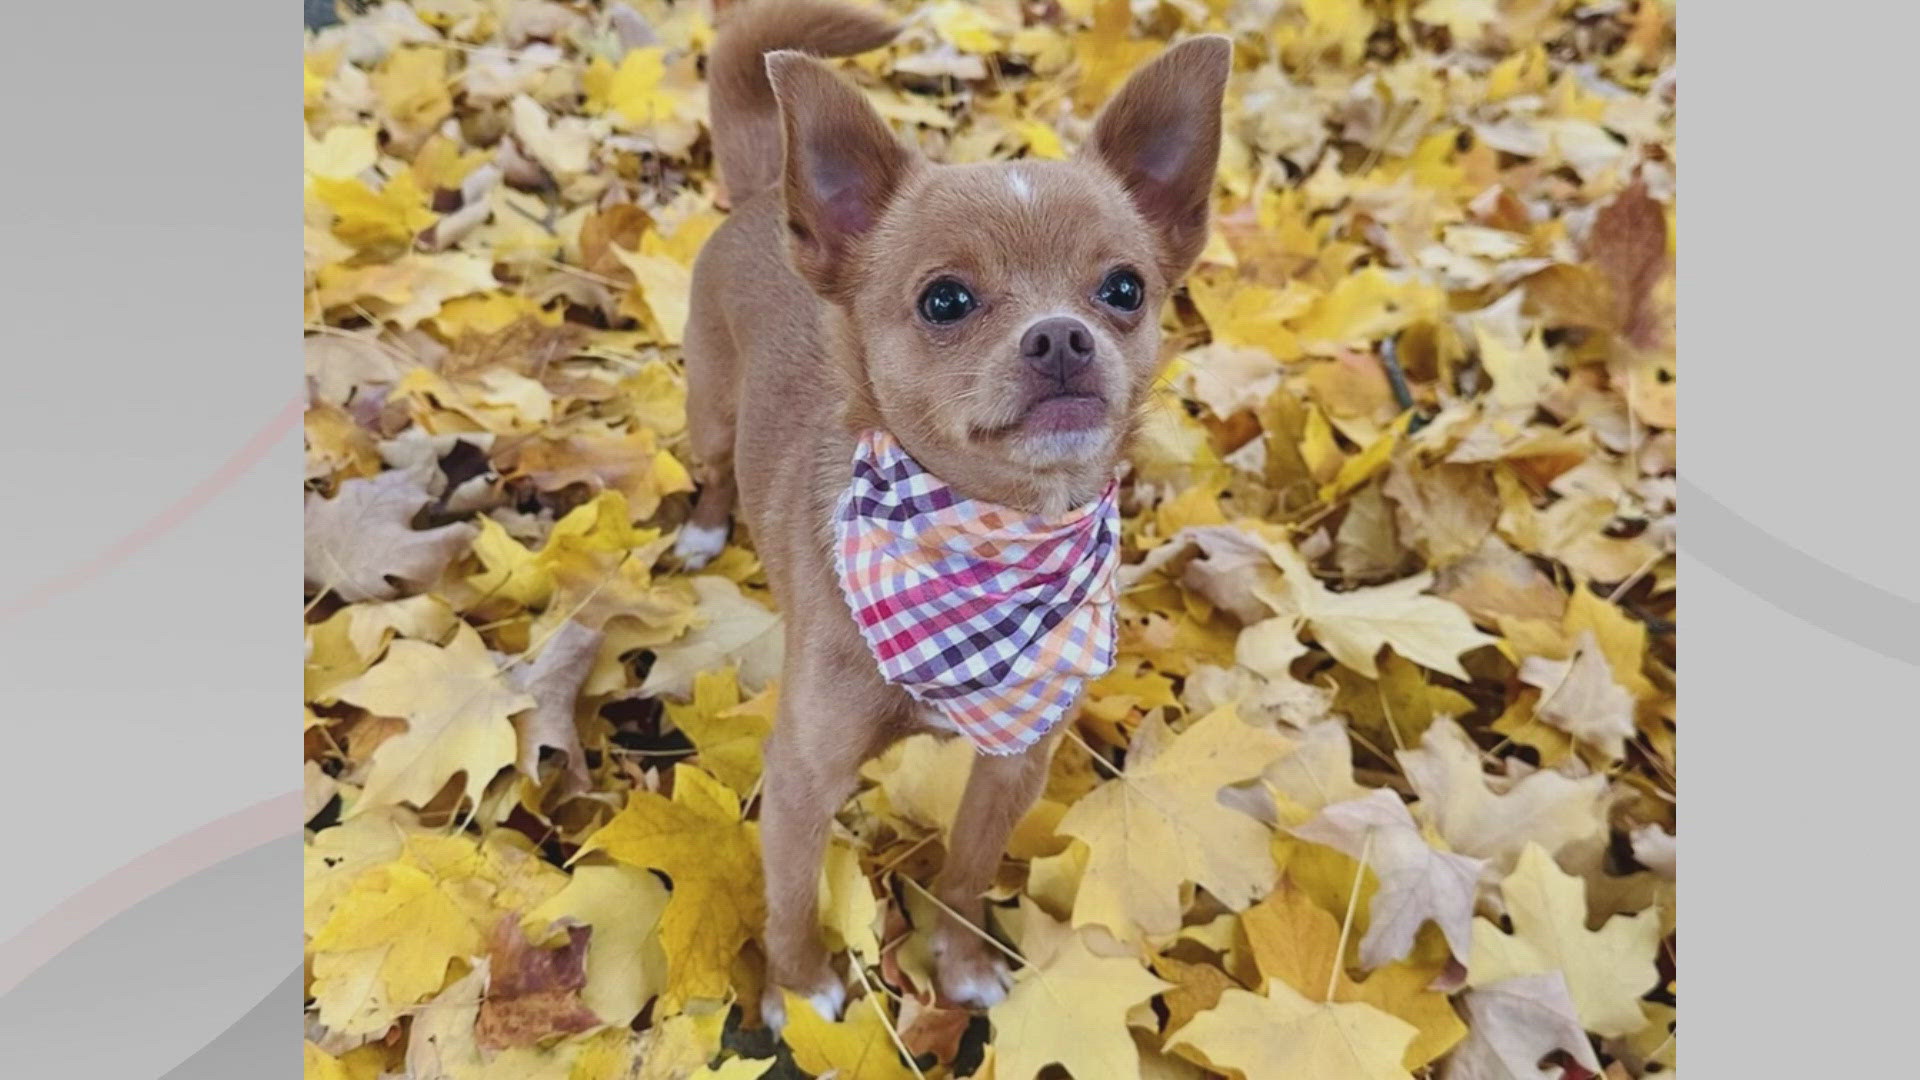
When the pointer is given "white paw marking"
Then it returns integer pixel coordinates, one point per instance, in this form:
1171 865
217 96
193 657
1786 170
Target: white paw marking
829 1001
1022 187
982 990
696 545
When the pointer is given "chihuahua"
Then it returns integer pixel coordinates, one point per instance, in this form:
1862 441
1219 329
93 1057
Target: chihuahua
997 321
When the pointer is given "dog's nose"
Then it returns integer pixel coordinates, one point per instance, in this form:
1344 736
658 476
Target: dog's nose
1058 348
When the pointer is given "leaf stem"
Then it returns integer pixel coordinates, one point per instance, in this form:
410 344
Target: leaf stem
1346 924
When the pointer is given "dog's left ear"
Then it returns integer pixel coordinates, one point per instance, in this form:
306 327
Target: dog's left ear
1161 136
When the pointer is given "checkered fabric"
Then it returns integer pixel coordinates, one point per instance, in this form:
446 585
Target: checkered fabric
995 617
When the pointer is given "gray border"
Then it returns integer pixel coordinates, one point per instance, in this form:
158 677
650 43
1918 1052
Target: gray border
147 353
1803 631
150 803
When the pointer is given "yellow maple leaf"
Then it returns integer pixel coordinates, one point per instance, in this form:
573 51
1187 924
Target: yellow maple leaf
441 163
1365 306
367 218
625 963
1354 625
922 779
1296 941
631 462
1249 314
1466 20
713 858
848 909
731 628
488 313
412 85
1368 463
345 151
1398 706
1072 1011
1284 1034
1108 52
635 89
1041 140
456 706
965 26
672 1048
598 527
727 733
855 1048
361 1063
387 946
662 290
1160 824
1607 970
508 569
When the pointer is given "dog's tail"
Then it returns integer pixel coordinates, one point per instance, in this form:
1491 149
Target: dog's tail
746 121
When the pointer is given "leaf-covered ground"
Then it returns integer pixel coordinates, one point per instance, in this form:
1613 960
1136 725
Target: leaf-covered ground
1384 783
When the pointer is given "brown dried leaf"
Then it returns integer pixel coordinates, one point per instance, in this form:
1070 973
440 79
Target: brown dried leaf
532 993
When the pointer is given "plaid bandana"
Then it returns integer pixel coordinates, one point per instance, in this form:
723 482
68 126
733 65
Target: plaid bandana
994 617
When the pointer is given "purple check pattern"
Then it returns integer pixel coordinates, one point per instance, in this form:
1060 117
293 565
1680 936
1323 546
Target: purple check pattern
995 617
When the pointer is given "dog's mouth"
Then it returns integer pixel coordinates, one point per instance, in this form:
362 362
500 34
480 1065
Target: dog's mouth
1061 412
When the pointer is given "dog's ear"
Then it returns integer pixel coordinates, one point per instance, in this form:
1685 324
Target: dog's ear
1161 136
842 166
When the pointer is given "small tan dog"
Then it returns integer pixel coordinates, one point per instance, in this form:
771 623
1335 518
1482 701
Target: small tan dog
1000 320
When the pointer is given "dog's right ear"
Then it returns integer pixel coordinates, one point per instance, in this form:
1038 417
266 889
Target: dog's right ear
842 166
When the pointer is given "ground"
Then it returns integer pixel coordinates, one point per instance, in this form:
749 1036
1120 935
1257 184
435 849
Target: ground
1384 784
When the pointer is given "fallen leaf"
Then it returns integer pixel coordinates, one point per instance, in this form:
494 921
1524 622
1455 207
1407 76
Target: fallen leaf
1543 807
362 541
1071 1011
1292 939
386 946
713 859
1417 882
1514 1024
532 994
730 630
1160 823
727 733
1579 697
855 1048
625 964
456 704
1354 625
1606 970
553 681
1282 1033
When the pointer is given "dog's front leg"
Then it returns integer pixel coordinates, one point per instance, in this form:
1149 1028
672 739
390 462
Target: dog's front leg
813 763
999 791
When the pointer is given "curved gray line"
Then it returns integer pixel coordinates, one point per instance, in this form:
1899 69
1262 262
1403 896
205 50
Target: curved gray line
154 984
261 1043
1799 584
192 852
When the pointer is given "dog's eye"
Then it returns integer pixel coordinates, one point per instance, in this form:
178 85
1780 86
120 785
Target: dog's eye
946 301
1122 290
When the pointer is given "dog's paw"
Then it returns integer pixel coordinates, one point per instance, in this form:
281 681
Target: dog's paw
697 545
970 973
827 996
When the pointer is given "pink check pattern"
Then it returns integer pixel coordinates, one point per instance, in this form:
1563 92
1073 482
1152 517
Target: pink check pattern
992 616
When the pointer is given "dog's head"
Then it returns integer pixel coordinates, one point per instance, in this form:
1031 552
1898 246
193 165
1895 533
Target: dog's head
1002 319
